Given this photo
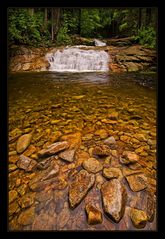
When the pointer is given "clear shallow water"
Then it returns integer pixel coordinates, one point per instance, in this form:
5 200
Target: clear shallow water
81 102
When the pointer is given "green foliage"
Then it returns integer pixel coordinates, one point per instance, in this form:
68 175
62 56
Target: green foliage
63 37
147 37
32 29
90 22
26 29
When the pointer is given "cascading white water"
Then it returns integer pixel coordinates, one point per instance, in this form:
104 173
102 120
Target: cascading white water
99 43
78 60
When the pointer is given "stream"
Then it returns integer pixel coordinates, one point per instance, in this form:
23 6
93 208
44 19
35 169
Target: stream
94 105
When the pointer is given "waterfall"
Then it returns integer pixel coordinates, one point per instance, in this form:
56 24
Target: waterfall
99 43
78 60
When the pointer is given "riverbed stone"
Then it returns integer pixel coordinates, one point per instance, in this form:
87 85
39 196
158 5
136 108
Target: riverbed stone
53 149
137 182
27 200
67 155
79 187
26 163
127 171
112 172
138 217
102 150
13 208
23 142
74 140
111 142
12 167
129 157
12 195
102 133
114 198
113 116
92 165
94 216
27 216
22 189
53 172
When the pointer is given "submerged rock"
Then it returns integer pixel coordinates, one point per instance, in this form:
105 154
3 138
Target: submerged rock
92 165
26 163
129 157
53 149
27 200
12 195
102 133
94 216
27 216
112 173
74 140
137 182
23 142
113 116
114 198
68 155
102 150
78 189
110 141
13 208
138 217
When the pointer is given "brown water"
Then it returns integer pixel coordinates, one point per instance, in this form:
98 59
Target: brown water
48 103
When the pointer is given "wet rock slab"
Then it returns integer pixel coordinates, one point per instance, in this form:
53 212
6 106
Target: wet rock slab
80 186
114 198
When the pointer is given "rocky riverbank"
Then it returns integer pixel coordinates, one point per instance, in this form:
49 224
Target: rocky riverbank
125 57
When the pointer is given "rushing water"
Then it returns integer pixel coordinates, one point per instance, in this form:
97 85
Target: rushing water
78 60
46 103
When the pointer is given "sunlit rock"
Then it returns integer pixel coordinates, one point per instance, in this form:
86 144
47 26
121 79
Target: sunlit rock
114 198
78 189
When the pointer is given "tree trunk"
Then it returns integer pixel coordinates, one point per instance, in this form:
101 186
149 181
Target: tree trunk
148 17
31 11
139 18
79 22
45 16
55 22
